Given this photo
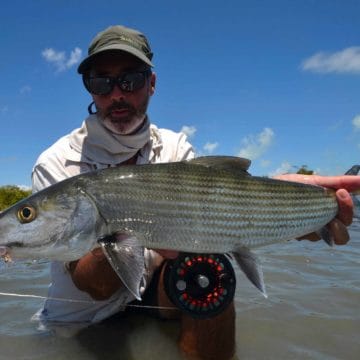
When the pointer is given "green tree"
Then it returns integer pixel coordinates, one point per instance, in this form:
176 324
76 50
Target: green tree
10 194
304 170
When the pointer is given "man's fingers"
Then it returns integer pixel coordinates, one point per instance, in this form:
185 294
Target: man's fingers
349 182
346 211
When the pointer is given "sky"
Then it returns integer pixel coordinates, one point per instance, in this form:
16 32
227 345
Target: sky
277 81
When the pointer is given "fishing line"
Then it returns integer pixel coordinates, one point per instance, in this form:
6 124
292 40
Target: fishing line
83 301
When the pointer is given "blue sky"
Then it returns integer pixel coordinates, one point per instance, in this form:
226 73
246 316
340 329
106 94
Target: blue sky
275 81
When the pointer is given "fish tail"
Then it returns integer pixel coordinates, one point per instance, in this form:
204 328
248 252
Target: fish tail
354 170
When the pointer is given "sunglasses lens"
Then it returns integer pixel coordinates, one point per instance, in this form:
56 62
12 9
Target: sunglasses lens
132 81
99 85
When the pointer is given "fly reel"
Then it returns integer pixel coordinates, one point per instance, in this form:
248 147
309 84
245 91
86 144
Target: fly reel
202 285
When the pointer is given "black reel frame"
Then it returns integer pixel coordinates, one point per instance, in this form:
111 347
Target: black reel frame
202 285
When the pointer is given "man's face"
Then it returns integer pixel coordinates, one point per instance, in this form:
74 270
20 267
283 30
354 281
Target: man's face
123 112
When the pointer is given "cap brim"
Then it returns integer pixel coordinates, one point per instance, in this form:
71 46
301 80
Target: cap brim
84 65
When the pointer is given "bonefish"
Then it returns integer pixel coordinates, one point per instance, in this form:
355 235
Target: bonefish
205 205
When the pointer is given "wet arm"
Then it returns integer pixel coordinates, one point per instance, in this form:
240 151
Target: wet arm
94 275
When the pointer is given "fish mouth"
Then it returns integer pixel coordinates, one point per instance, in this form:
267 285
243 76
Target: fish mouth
5 253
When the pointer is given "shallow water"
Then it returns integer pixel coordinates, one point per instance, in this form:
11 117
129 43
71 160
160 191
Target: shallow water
313 312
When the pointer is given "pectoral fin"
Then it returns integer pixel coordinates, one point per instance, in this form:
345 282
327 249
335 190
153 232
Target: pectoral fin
251 267
126 257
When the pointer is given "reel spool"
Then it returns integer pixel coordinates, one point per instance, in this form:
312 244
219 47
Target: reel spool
202 285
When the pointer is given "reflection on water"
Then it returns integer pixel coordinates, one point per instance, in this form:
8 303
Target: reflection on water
313 312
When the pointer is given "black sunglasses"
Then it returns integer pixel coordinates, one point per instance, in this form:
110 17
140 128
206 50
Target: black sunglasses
104 85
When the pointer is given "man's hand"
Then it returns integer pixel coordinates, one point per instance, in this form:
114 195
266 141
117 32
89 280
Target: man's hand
343 185
94 275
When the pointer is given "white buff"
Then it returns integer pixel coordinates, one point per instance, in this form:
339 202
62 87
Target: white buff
93 143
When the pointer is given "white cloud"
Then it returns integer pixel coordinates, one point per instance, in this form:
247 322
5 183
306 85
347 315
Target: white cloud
284 168
356 122
344 61
54 56
210 147
256 146
75 57
188 130
60 60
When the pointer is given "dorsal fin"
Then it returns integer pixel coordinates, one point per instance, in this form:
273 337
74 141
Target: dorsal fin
227 163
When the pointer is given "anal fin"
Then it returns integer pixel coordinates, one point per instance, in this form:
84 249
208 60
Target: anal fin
251 267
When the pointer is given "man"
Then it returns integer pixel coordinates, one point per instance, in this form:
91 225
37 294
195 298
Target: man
118 75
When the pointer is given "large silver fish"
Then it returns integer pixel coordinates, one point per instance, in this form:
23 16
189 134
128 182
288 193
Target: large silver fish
208 205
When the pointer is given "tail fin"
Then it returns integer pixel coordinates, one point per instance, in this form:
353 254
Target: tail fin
354 170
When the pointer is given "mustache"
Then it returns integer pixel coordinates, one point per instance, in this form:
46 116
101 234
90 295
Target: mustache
120 105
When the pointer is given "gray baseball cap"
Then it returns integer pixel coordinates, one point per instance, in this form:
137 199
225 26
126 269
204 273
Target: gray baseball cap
118 38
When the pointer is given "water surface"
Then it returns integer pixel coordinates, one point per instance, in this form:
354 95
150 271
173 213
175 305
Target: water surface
313 312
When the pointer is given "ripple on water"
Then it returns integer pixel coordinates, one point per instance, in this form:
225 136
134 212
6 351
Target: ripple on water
313 312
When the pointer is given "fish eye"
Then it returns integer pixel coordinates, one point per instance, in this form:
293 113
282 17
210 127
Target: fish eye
26 214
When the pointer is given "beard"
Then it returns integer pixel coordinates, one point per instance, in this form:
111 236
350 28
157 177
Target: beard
127 124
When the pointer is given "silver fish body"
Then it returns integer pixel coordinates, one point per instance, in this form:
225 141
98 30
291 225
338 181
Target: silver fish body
195 206
198 209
